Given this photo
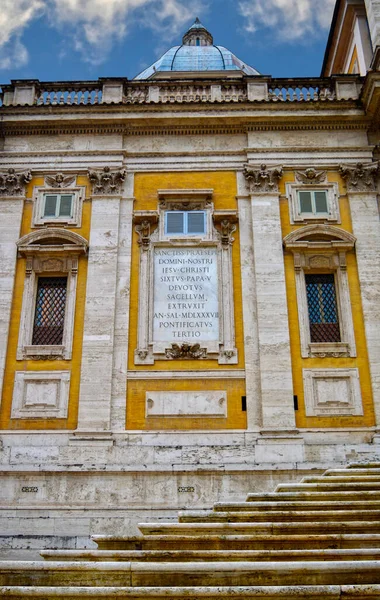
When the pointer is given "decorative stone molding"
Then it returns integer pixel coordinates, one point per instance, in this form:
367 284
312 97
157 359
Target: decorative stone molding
58 184
144 220
186 308
330 392
107 181
13 184
263 179
59 180
323 248
186 199
186 351
53 251
40 395
313 181
361 177
311 176
226 221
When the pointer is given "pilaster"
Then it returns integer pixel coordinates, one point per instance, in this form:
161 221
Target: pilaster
121 330
101 296
272 314
12 196
251 341
361 183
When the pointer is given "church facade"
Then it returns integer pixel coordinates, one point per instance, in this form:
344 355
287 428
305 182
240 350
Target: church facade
190 285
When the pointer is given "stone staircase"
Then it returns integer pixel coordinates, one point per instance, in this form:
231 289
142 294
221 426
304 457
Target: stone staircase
317 539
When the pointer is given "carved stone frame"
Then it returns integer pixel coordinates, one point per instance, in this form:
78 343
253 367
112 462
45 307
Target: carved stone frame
326 253
220 227
78 193
312 180
58 257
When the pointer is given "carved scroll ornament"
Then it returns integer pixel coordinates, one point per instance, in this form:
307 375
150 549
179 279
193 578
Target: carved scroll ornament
361 177
107 181
263 179
13 184
186 351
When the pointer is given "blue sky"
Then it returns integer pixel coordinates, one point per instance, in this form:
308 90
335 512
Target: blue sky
87 39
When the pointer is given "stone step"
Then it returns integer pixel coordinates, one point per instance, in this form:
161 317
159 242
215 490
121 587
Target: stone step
151 574
291 592
277 516
352 472
329 487
364 465
280 528
238 542
340 479
211 555
335 505
312 495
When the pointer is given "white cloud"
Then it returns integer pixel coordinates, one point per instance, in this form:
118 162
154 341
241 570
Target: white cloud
287 20
90 27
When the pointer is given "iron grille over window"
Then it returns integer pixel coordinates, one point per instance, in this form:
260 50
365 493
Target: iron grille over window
50 311
322 307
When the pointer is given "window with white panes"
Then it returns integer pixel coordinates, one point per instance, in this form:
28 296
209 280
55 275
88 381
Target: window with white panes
313 202
185 223
57 206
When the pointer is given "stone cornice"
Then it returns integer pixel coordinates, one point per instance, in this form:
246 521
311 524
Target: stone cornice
146 130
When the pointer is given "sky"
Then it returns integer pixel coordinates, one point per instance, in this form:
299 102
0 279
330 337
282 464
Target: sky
57 40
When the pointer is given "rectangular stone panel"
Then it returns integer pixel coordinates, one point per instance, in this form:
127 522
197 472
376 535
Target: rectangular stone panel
187 404
186 295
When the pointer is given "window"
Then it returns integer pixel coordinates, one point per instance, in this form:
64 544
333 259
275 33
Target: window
49 316
313 202
48 305
54 205
323 295
185 223
322 308
58 205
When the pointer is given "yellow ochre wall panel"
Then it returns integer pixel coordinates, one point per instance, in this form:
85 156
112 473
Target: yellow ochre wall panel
224 197
236 418
299 363
73 365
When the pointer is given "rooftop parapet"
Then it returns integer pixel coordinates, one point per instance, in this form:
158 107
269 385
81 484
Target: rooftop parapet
181 91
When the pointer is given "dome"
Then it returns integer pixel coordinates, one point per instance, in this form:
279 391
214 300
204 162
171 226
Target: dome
197 54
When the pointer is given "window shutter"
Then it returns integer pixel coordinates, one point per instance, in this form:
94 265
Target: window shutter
195 222
305 202
65 205
50 206
320 202
174 222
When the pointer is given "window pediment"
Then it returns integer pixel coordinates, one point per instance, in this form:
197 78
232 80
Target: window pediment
319 236
53 240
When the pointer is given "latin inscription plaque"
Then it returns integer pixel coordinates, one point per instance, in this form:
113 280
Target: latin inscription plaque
186 305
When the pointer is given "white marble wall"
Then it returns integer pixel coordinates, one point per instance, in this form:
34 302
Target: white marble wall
366 228
272 314
10 223
373 16
99 324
